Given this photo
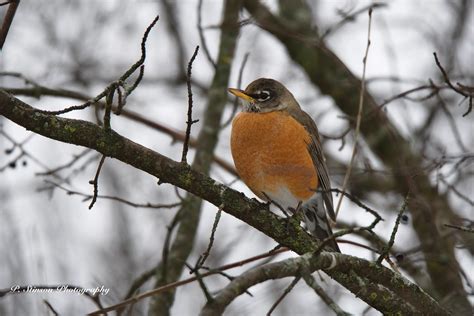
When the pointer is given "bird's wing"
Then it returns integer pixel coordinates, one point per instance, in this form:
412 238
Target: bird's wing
319 161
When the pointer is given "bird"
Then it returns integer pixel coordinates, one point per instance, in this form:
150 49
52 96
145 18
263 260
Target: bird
278 154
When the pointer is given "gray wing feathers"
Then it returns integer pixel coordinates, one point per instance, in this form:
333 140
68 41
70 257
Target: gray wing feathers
323 176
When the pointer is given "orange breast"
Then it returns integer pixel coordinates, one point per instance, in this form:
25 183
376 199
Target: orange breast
270 151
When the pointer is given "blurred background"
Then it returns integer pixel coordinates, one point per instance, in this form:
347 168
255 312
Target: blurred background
48 236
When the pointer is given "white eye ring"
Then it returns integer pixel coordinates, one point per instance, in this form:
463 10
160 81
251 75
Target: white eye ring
263 95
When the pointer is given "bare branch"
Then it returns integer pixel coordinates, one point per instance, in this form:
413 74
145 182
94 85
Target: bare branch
284 294
387 249
311 282
114 85
239 84
51 308
201 35
359 115
202 259
404 301
7 20
95 182
190 120
114 198
351 17
459 90
461 228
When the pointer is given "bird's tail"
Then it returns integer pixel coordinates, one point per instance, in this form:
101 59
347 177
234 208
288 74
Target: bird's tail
316 220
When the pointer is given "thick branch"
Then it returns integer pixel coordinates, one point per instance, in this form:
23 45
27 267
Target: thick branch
400 296
37 91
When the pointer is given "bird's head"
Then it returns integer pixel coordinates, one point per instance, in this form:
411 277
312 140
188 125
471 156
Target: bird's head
265 95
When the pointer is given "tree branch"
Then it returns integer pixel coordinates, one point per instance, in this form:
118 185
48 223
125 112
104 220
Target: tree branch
403 297
7 20
38 91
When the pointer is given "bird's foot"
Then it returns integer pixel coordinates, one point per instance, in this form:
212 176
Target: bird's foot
296 215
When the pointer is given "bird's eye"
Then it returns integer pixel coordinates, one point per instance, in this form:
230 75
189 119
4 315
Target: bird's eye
264 95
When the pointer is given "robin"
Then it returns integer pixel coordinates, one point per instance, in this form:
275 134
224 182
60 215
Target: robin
277 152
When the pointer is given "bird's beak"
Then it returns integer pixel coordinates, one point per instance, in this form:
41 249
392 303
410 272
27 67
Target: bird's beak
241 94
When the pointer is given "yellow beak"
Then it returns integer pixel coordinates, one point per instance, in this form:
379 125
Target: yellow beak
241 94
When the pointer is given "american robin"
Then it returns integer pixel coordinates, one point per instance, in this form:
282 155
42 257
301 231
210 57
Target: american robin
277 152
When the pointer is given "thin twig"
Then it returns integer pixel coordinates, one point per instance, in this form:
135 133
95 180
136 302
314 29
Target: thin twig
231 278
66 165
189 121
342 137
172 23
448 82
202 37
23 152
19 75
166 245
140 62
462 228
343 232
357 202
108 106
446 78
239 84
95 182
452 123
369 228
7 20
435 89
284 294
114 198
390 243
142 279
311 282
358 244
200 280
350 17
120 99
138 80
359 116
115 84
50 307
205 255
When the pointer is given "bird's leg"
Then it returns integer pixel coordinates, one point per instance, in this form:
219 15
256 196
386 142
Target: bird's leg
295 214
298 208
281 208
297 211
